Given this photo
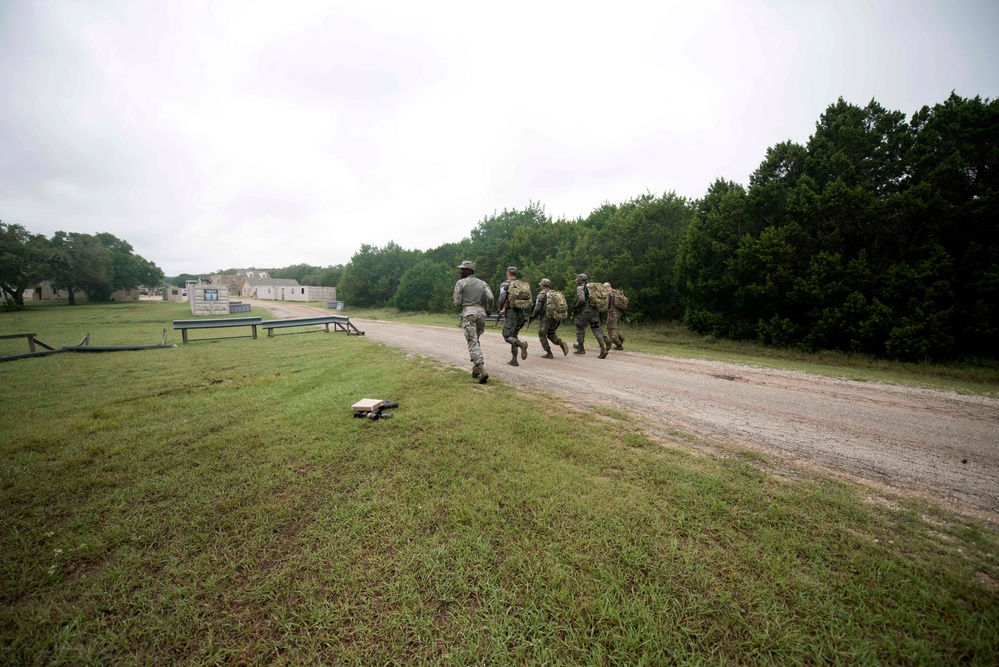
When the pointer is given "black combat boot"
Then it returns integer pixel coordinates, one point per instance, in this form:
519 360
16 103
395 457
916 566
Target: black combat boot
513 362
523 349
548 354
579 348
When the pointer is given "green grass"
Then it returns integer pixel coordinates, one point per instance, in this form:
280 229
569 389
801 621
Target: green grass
675 340
216 503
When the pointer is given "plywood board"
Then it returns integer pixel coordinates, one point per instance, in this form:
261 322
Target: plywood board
367 405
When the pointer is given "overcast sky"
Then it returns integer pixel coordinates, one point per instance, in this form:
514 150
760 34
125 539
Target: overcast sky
225 134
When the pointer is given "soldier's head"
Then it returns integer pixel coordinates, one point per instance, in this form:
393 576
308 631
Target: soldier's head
581 278
545 284
608 286
511 272
466 268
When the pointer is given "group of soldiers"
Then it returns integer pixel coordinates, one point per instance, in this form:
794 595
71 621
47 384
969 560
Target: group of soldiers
475 299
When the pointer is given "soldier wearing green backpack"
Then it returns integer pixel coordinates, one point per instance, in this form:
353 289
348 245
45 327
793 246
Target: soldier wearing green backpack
552 309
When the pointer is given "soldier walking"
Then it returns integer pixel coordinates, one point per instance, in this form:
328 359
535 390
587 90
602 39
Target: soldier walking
511 300
475 299
587 314
547 326
617 303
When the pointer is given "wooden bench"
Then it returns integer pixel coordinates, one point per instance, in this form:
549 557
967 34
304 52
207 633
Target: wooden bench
32 341
339 322
217 323
32 350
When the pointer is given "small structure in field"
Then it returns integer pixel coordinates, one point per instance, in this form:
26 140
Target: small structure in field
207 300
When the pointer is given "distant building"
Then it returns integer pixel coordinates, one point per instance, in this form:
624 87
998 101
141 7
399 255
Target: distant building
172 293
43 292
255 284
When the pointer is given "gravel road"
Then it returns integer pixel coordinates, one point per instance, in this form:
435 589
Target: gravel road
939 445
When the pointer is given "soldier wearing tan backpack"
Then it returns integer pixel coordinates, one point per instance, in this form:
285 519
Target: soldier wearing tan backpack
591 300
552 309
515 300
616 305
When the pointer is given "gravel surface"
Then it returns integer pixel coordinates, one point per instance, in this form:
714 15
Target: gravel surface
939 445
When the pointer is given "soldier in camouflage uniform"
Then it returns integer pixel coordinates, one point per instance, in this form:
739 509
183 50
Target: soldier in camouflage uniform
547 328
587 314
475 299
614 312
514 319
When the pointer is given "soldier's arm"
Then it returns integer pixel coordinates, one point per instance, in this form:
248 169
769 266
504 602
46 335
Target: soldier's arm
489 300
539 305
456 297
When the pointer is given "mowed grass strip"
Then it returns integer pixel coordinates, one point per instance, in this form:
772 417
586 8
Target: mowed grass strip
217 504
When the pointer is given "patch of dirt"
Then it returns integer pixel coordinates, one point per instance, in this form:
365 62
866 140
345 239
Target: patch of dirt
937 445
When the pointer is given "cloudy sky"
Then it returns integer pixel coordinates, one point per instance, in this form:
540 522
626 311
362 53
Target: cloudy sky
225 134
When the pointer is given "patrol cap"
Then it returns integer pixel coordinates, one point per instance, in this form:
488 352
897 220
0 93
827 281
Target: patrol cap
511 270
467 265
581 276
545 281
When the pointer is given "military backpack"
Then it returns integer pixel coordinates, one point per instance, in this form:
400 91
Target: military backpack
598 296
519 294
556 308
620 300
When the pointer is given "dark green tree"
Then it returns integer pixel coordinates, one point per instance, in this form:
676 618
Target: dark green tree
426 286
373 274
128 270
80 262
24 260
705 284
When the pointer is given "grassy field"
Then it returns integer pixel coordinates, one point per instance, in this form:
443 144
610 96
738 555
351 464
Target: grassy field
675 340
216 504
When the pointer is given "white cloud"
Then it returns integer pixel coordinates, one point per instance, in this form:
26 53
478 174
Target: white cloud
294 132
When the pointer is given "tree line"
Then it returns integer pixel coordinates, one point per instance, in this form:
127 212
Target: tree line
879 235
98 264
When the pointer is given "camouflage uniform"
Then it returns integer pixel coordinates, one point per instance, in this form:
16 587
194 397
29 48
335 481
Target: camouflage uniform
513 321
587 314
474 297
547 328
613 315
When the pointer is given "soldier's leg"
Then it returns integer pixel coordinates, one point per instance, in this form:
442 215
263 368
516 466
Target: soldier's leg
581 320
474 328
520 316
544 335
599 335
612 335
553 337
471 331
